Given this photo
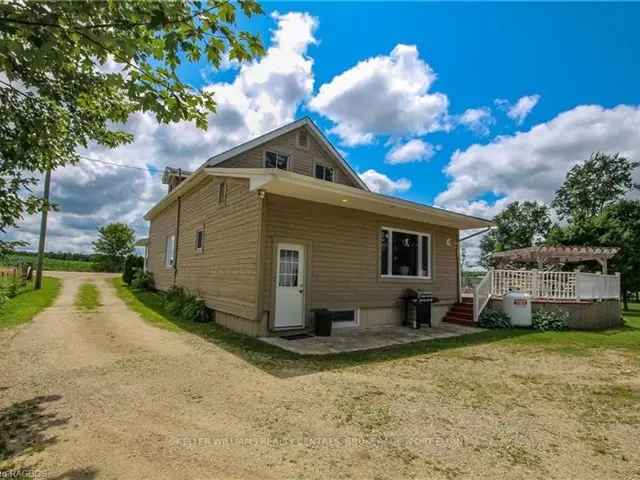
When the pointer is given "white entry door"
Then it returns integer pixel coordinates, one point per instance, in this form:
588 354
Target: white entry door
289 286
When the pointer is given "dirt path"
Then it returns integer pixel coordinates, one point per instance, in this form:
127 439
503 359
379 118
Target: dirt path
104 395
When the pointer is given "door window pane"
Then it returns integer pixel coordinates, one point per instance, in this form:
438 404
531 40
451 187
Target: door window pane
288 272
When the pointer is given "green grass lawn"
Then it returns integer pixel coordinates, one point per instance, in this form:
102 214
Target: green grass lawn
88 297
50 263
28 303
277 361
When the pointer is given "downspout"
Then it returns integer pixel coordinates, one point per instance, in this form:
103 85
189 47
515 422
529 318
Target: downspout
259 265
175 259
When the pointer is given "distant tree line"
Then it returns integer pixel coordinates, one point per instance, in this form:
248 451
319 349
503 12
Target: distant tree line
78 257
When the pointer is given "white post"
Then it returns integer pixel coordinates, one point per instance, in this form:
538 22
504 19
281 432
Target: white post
578 296
534 284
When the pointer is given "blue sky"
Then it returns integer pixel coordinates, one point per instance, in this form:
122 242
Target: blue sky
569 54
468 106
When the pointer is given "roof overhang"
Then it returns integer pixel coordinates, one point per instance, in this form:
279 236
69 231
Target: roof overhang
289 184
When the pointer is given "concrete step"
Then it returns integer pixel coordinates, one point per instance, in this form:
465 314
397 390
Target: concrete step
461 313
460 321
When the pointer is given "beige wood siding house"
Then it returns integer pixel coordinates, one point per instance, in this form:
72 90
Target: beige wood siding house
266 238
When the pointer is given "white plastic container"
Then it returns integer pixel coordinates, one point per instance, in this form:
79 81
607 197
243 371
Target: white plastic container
518 306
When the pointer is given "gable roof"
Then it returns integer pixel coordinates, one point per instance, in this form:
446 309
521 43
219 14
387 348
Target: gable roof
285 183
262 139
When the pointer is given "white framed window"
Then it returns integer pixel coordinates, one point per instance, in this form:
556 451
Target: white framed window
405 254
303 139
200 240
276 160
349 317
170 251
324 173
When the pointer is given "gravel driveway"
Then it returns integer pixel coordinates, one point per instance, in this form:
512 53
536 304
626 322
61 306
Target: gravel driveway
105 395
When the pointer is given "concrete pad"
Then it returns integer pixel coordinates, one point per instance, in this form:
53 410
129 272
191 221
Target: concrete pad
359 339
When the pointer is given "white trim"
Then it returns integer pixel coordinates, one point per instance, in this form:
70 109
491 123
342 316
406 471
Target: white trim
302 275
419 265
356 318
276 152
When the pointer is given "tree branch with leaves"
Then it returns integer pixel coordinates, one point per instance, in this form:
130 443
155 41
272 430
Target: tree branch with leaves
56 94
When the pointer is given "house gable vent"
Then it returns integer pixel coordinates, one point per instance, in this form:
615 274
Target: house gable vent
303 139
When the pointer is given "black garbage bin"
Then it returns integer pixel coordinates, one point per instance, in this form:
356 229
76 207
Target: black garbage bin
324 321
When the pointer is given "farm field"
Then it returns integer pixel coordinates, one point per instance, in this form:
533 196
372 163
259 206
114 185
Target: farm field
54 264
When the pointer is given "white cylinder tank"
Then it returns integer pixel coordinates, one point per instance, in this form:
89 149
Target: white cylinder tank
518 306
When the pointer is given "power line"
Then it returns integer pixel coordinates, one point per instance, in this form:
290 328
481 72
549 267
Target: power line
152 170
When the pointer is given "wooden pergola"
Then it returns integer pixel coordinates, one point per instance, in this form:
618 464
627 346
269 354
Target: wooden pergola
556 255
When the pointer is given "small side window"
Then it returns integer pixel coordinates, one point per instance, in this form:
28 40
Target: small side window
324 173
170 251
222 193
276 160
199 240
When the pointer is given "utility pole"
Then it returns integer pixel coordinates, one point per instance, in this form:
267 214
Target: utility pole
43 230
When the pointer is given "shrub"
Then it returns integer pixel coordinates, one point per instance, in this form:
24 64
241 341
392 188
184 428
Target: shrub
131 264
546 320
142 280
494 319
187 307
194 310
4 298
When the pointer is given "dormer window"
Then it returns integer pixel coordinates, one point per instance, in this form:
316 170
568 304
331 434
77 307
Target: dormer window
303 139
276 160
324 173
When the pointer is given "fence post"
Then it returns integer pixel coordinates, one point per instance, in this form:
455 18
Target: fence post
578 297
534 284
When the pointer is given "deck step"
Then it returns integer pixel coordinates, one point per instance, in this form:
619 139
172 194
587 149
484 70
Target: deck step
461 313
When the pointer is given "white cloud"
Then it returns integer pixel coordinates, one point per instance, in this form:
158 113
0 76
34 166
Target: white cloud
521 109
532 165
414 150
383 95
264 95
381 183
478 120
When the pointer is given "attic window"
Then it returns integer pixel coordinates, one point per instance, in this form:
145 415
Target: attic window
303 139
324 173
276 160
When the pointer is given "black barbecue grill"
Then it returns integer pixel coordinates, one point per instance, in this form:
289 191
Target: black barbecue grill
421 300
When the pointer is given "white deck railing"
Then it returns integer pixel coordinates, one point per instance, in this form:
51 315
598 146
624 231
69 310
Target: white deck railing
556 286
